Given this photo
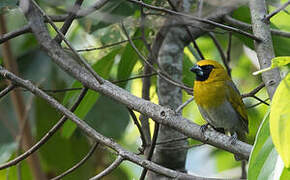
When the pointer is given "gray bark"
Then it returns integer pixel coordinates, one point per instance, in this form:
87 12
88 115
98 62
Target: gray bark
170 59
264 49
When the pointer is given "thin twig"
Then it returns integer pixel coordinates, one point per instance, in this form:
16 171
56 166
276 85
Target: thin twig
134 77
234 22
254 91
220 49
115 82
273 13
107 45
16 33
222 26
109 169
55 18
79 58
160 73
184 104
67 23
229 54
146 82
151 150
144 143
254 105
45 138
262 101
81 13
79 163
7 90
188 32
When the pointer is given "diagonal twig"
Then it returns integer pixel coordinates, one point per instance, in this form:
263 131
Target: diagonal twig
89 154
45 138
7 90
144 143
151 150
109 169
234 22
222 26
160 73
254 91
93 133
184 104
220 49
282 7
79 57
201 56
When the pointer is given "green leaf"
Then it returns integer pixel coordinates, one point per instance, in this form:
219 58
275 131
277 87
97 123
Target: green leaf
264 161
285 174
103 68
280 44
59 153
128 60
108 117
113 12
279 120
7 4
280 61
187 76
260 165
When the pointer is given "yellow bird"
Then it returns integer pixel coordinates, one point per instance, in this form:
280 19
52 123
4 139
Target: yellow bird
218 99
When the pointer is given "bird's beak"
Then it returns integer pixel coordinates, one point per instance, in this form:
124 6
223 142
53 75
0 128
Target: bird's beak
197 69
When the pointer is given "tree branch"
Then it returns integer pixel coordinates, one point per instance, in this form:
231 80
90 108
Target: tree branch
158 113
78 164
79 57
282 7
234 22
264 48
47 136
5 91
92 132
207 21
109 169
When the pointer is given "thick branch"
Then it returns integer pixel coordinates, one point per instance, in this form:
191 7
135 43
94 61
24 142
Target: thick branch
158 113
92 132
264 48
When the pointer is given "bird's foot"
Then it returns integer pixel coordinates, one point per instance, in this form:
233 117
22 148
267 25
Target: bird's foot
233 138
204 127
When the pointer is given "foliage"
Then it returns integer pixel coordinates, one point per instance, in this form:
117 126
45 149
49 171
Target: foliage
269 159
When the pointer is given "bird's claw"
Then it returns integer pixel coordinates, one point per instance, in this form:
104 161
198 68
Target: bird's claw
204 127
233 138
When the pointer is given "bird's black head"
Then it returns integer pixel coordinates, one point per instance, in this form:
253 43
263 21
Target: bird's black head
202 72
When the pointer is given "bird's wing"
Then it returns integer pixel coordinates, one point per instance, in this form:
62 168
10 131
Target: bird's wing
236 101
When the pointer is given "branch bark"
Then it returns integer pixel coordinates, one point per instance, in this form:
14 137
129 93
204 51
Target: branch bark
264 48
158 113
170 60
92 132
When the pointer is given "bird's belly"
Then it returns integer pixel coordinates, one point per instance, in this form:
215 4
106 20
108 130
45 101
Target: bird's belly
223 116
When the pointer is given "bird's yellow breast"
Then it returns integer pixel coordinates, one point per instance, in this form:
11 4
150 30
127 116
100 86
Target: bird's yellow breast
209 94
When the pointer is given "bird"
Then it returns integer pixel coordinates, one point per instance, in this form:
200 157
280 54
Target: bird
219 101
